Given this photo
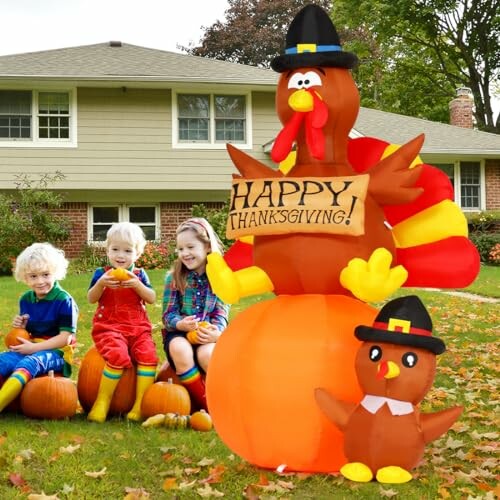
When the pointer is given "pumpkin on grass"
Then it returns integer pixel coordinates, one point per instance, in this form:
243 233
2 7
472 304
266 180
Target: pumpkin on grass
89 378
49 397
12 337
201 421
165 397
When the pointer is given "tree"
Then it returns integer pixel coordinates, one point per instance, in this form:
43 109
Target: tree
437 45
253 33
28 216
413 53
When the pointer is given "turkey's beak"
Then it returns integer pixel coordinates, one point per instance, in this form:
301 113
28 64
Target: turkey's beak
388 369
301 101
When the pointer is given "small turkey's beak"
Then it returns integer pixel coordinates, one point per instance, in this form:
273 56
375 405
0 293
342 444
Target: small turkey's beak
388 369
301 101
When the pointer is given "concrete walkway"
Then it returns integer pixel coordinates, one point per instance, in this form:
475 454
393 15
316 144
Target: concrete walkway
465 295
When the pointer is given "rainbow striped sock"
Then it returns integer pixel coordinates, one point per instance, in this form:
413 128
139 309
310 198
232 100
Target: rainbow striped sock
194 383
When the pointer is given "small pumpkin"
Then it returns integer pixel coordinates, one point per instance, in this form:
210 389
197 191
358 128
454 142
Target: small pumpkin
49 397
192 336
165 397
12 337
89 378
120 274
201 421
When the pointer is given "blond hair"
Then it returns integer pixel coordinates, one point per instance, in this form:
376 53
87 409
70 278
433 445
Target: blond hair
40 257
205 233
127 232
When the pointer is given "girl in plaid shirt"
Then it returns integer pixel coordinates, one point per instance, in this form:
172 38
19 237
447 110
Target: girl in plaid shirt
193 316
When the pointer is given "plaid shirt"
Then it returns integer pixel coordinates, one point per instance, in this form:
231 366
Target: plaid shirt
197 300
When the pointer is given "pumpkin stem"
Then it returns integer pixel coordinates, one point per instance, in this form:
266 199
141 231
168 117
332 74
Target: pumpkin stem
170 381
51 373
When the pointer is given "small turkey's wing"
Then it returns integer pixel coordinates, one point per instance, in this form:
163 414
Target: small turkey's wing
336 410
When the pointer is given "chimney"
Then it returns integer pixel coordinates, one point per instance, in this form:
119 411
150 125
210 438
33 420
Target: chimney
461 109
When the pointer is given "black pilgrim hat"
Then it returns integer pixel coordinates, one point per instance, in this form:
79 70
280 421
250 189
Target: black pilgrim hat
403 321
312 41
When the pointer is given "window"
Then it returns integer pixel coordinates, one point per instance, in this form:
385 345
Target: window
467 178
212 119
102 217
15 114
37 118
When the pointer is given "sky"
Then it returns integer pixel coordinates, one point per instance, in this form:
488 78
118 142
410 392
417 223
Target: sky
33 25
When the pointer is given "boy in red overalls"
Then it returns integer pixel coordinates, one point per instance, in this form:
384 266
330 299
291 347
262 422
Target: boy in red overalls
121 328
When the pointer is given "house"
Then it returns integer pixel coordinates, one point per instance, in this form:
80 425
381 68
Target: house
140 134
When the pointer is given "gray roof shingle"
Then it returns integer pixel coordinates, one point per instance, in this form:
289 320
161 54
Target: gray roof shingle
104 61
439 137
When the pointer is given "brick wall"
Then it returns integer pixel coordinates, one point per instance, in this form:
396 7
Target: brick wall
171 215
492 174
461 109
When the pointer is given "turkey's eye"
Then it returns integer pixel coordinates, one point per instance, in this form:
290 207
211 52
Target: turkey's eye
375 353
304 81
409 359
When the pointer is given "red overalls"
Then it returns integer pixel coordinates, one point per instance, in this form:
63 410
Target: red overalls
122 330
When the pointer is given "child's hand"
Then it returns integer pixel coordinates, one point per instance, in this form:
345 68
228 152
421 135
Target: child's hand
208 333
107 280
187 324
20 321
132 282
27 347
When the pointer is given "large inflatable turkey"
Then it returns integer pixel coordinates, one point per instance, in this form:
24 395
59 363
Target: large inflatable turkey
350 223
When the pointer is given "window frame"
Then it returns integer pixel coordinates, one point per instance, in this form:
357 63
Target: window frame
211 143
35 141
123 216
457 175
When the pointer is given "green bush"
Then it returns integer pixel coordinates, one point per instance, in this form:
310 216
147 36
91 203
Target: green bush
28 216
90 258
482 221
485 243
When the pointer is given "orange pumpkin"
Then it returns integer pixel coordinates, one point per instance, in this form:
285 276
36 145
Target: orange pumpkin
165 397
263 372
201 421
192 336
11 338
89 378
119 274
49 397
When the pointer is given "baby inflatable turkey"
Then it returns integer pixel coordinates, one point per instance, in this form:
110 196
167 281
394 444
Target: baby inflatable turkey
385 433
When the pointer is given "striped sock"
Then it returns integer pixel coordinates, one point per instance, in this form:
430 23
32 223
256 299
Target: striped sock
24 376
112 373
194 383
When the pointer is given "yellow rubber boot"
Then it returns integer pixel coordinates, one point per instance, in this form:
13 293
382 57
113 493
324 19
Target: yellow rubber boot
145 378
10 390
109 381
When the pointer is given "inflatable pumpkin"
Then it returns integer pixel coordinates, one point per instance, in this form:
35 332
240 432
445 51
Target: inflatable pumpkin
260 385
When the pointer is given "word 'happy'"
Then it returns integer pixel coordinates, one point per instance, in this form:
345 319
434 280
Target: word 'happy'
275 206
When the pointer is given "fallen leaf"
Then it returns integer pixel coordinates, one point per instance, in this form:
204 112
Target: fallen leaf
16 479
207 491
67 489
205 461
27 454
170 483
387 493
135 494
250 493
42 496
70 448
98 474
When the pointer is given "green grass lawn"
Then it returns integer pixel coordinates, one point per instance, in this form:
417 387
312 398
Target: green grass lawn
76 459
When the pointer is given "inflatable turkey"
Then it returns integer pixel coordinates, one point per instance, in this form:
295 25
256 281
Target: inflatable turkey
349 223
386 433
